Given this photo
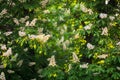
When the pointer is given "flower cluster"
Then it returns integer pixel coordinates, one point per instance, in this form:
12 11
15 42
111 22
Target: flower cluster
86 10
21 33
1 66
9 2
76 36
65 44
3 12
22 1
102 56
46 11
20 62
118 43
111 18
44 2
75 58
52 61
21 20
103 15
10 71
90 46
107 1
84 65
88 27
104 31
8 52
3 47
2 76
32 23
8 33
32 63
118 68
41 37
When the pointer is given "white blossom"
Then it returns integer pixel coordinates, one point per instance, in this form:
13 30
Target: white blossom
33 79
111 18
1 66
90 11
116 14
3 47
69 67
26 17
21 33
2 76
22 20
32 23
26 49
118 44
4 11
83 8
75 58
44 2
8 52
67 11
15 20
52 61
118 68
102 56
90 46
46 11
104 31
13 4
32 36
22 1
107 1
8 33
31 63
103 15
46 37
27 23
76 36
88 27
94 74
42 37
20 63
10 71
84 65
65 44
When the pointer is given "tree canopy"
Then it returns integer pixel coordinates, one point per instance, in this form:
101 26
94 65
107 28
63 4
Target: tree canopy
60 39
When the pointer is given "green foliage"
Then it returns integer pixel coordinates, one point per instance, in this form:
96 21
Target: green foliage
60 39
